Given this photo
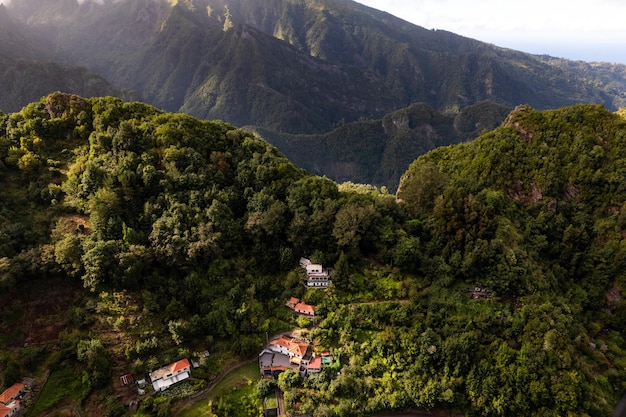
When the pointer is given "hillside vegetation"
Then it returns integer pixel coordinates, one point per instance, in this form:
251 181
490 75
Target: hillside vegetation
493 286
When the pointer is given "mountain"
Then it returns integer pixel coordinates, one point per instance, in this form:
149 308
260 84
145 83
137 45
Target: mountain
27 72
379 151
302 67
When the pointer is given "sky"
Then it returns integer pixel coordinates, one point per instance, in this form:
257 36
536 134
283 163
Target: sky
587 30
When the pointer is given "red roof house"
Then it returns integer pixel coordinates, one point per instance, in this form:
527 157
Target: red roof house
164 377
315 365
306 309
11 393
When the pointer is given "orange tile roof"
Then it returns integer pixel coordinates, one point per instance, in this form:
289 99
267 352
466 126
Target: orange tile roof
4 410
282 341
11 392
180 365
294 300
308 308
316 363
297 348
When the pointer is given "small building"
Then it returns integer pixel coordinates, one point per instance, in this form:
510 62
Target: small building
316 275
305 309
327 358
315 365
12 393
10 409
301 308
291 303
318 280
126 379
167 376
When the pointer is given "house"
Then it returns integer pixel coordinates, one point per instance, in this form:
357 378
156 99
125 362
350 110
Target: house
304 309
316 275
12 393
291 303
300 307
315 365
9 410
167 376
295 348
284 352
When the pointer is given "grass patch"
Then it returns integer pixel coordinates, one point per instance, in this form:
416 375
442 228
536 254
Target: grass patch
271 401
237 392
61 384
238 377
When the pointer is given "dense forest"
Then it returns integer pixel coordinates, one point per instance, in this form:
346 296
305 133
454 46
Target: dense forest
490 285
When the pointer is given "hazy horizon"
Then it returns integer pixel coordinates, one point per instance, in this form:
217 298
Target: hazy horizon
576 30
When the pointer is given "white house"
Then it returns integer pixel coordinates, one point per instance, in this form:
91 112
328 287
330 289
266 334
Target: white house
167 376
316 275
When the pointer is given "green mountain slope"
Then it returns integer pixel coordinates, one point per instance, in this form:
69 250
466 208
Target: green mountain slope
387 61
518 237
494 287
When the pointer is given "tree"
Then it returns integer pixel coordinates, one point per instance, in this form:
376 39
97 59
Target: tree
11 373
288 379
93 353
351 225
341 272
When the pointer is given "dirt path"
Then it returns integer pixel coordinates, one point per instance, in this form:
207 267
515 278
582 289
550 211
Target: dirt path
191 401
69 410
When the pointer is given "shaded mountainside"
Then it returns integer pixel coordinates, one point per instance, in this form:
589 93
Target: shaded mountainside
295 67
346 61
27 70
379 151
494 287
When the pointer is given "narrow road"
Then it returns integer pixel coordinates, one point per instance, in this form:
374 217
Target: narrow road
280 399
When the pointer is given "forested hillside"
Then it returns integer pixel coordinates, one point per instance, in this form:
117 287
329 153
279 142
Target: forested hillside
131 237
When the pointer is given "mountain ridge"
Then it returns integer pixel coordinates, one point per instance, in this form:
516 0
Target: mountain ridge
301 68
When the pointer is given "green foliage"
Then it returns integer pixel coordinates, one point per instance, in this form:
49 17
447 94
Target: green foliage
61 384
11 373
378 91
93 353
188 232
